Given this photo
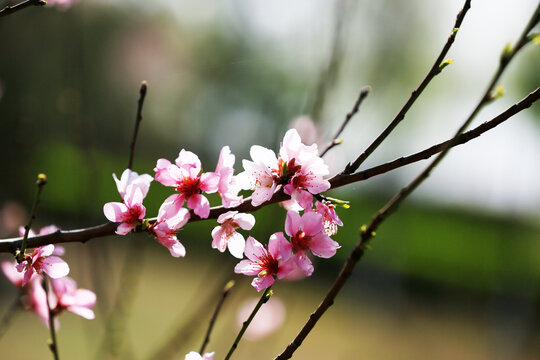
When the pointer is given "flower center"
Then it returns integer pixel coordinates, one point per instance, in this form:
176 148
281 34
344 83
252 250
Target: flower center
189 186
300 241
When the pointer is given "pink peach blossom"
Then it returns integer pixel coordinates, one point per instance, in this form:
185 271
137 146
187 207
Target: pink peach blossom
36 301
306 233
266 264
196 356
131 177
49 229
15 277
164 230
128 213
226 235
41 261
298 168
268 319
260 175
67 296
227 188
330 217
189 181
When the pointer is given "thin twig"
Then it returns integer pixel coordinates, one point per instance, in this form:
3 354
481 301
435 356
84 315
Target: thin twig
108 229
264 298
363 94
224 294
10 9
434 71
53 345
138 119
40 182
367 233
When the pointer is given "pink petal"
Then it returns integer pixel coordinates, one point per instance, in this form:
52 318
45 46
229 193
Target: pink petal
322 246
10 271
85 298
46 250
285 268
171 206
134 195
262 282
226 216
200 205
312 223
114 210
303 263
179 220
275 244
209 182
262 194
49 229
125 228
219 239
237 245
189 161
292 223
82 311
55 267
162 173
254 249
247 267
263 156
245 221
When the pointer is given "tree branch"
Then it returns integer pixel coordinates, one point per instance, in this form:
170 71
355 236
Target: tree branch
10 9
434 71
363 94
108 229
138 119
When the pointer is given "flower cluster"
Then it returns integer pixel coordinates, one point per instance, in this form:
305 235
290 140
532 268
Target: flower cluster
297 170
64 294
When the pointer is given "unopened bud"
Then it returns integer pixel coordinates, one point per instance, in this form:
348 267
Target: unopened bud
41 179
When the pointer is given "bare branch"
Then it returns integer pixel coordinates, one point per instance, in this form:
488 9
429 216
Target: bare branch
367 233
226 291
434 71
363 94
10 9
138 119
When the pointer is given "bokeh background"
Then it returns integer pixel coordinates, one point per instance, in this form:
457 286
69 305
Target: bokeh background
455 274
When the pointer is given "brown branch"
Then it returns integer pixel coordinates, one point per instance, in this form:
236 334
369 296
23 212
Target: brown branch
138 119
82 235
367 233
226 291
434 71
10 9
363 94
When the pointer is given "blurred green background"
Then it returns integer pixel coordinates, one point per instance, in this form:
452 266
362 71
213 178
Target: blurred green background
454 274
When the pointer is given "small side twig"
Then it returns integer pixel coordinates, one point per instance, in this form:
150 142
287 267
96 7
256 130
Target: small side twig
10 9
335 141
436 68
40 182
264 298
226 290
138 119
53 345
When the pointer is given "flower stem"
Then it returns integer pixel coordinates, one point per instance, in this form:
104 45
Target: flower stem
224 294
264 298
40 182
53 344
